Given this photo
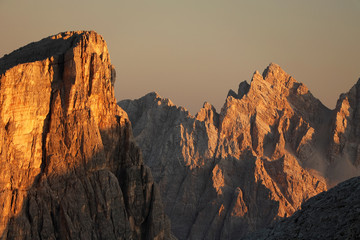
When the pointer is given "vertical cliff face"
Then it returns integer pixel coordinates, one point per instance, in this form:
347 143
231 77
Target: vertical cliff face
70 168
344 147
223 175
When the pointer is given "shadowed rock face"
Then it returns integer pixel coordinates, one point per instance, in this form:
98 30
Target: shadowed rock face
344 149
69 166
224 175
334 214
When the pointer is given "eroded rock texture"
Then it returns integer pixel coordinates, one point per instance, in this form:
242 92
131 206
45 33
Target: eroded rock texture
334 214
224 175
69 166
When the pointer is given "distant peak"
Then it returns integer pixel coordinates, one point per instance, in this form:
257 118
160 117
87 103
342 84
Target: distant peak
273 65
274 75
155 97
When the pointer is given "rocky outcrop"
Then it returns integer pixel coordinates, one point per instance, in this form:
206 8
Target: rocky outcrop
69 166
224 175
344 147
334 214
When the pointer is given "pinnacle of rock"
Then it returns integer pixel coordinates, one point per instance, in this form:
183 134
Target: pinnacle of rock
70 168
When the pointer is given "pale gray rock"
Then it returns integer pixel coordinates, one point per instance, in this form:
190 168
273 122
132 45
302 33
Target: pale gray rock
224 175
179 149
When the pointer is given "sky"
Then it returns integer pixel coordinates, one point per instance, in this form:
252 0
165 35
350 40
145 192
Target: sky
193 51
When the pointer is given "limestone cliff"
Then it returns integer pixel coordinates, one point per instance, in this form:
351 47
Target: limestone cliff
224 175
334 214
69 166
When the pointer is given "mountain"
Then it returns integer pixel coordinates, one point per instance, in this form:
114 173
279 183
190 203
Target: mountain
334 214
70 168
272 147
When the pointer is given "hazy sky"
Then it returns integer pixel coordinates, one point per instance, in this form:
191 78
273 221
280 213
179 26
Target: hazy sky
193 51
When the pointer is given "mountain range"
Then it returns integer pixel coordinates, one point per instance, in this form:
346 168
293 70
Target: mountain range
272 146
75 164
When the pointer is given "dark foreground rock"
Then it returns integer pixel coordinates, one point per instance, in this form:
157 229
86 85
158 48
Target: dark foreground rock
334 214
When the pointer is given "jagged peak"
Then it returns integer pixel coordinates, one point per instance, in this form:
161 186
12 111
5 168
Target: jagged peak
209 106
232 94
273 74
155 97
154 100
278 79
256 77
208 113
272 68
243 89
275 88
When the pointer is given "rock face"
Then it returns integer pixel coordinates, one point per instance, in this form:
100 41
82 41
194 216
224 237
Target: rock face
69 166
334 214
224 175
344 147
